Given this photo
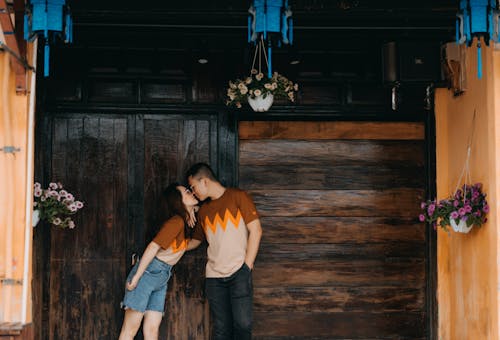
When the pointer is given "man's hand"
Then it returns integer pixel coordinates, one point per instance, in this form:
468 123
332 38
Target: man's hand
192 219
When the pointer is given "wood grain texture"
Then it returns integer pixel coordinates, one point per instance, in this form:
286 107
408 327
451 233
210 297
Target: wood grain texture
342 272
343 255
332 176
329 153
338 299
344 325
335 229
342 203
331 130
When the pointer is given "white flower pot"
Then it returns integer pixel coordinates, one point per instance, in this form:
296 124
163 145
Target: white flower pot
260 104
461 227
35 217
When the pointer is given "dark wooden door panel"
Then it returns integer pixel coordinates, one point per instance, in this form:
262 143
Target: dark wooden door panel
88 266
342 255
119 165
171 145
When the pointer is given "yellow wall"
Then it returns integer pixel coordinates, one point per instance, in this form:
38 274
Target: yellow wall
13 174
467 263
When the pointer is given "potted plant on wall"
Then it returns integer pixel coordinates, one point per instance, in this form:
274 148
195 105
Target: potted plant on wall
54 205
260 91
466 208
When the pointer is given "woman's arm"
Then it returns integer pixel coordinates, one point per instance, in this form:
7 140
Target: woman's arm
146 259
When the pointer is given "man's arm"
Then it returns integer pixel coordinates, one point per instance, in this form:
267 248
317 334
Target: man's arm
193 243
255 233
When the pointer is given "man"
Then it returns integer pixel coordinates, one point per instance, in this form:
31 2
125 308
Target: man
230 224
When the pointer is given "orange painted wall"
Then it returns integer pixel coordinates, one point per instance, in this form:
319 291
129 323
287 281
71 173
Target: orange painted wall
468 266
13 174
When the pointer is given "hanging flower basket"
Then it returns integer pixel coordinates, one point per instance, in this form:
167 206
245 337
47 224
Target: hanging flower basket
466 208
461 227
35 217
54 205
261 104
258 89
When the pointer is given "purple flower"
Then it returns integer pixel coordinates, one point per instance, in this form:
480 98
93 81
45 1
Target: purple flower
468 208
431 208
421 217
422 205
456 203
454 215
461 211
458 194
486 208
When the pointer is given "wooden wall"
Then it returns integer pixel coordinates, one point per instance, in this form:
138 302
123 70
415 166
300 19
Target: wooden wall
342 254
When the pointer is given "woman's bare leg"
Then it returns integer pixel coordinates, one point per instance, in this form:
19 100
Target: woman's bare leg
131 324
151 326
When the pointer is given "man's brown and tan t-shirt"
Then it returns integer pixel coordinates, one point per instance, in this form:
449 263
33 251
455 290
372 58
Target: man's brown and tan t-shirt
223 223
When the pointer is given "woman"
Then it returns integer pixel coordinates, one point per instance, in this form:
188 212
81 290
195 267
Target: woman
146 285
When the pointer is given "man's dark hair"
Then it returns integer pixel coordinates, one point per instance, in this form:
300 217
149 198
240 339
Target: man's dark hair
201 170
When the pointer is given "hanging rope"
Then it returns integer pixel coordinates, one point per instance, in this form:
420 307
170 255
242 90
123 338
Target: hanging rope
259 50
466 169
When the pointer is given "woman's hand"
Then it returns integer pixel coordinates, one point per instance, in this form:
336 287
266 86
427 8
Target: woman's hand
132 284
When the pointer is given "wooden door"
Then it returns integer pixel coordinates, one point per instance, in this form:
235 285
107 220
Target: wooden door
118 165
171 145
342 255
89 156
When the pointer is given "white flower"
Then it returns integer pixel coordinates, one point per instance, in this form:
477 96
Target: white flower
53 186
248 80
71 224
257 93
56 221
259 76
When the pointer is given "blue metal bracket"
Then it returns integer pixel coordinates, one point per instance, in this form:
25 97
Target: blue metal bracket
49 19
477 19
272 21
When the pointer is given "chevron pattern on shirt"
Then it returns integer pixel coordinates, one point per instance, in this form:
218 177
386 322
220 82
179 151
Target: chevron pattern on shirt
228 219
178 247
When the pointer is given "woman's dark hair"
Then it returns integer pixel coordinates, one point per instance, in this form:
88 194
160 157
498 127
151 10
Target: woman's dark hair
170 204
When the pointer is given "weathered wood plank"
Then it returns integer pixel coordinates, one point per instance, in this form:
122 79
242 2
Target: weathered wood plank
103 285
291 337
338 299
306 229
327 252
331 130
348 272
65 300
187 314
344 325
330 152
396 202
332 176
